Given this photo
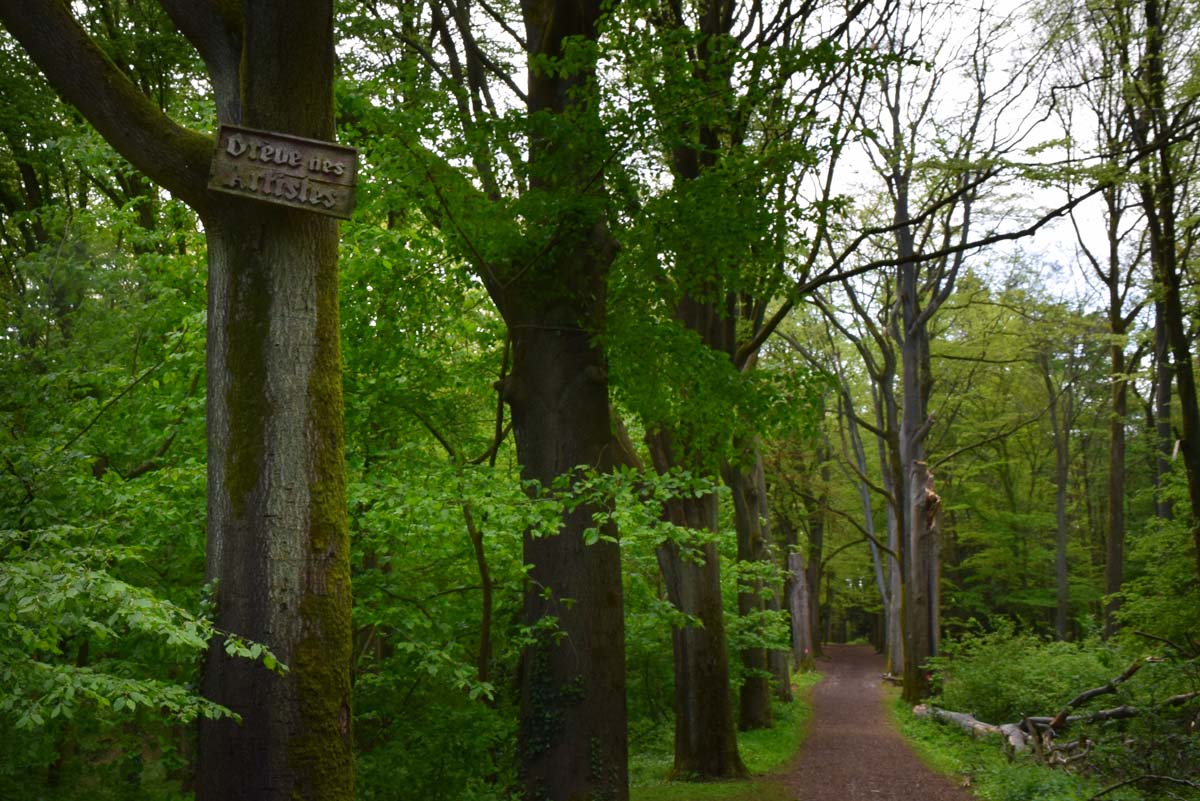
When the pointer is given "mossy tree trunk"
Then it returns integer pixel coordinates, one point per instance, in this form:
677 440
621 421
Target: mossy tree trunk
278 546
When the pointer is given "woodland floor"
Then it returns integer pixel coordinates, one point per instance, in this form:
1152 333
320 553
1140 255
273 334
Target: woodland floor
853 752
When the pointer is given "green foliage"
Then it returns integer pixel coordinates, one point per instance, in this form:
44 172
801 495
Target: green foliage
57 595
421 350
1162 740
102 624
102 473
1003 675
1161 595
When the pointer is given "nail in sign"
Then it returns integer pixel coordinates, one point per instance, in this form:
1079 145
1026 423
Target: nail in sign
285 170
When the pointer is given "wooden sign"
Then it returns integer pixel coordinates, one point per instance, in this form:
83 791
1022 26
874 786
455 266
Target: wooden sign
285 170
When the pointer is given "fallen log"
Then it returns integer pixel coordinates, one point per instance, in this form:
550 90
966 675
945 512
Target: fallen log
1016 737
1039 733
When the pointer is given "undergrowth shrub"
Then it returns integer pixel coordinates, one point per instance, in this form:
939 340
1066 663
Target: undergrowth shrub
1004 675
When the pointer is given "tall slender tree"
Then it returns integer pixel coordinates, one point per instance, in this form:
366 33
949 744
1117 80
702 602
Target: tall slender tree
933 186
1150 45
1079 46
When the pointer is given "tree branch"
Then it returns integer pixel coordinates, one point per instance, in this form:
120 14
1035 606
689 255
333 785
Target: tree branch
169 154
214 27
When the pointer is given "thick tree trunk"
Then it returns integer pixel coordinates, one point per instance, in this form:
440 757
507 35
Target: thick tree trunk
887 415
817 621
705 737
779 661
895 608
1161 250
705 743
933 510
817 507
572 734
914 476
864 496
278 544
572 738
887 421
745 486
1158 187
918 608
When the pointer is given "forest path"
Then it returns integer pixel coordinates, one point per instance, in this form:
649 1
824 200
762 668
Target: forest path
853 752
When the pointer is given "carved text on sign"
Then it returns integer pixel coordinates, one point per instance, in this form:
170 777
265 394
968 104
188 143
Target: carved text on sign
284 169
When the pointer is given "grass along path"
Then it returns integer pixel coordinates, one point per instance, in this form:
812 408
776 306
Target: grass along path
765 752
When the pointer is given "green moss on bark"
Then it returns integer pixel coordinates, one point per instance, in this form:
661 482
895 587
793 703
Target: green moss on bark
246 334
322 752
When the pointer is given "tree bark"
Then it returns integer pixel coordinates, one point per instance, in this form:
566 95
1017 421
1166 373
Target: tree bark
913 472
817 508
572 738
887 416
779 661
1016 737
705 737
918 642
549 282
1059 430
278 537
1158 186
754 697
1114 563
278 545
864 496
572 735
799 601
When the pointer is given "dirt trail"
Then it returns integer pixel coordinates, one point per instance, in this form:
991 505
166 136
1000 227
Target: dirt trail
852 752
